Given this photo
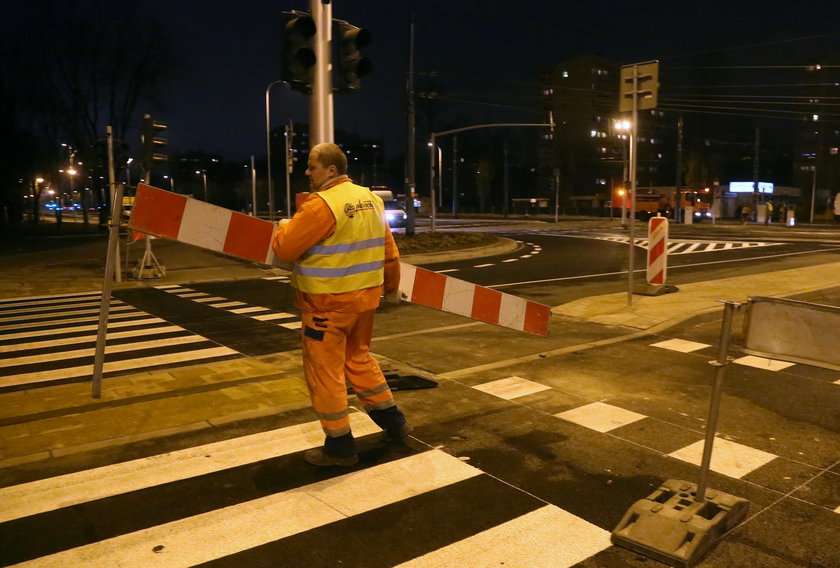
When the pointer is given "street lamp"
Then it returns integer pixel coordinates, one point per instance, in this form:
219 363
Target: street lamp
268 149
204 177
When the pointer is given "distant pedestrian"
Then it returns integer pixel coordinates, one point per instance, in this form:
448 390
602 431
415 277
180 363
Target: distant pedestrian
768 217
745 214
782 213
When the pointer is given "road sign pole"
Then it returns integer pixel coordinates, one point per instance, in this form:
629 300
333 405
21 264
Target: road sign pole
105 302
633 152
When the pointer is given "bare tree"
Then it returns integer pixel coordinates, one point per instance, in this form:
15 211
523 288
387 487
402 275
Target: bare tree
88 64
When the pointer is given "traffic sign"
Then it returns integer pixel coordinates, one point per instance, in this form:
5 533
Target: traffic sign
640 81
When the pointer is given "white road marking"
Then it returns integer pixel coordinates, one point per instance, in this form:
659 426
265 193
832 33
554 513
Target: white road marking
137 363
88 485
511 387
600 417
205 537
729 458
546 538
681 345
763 363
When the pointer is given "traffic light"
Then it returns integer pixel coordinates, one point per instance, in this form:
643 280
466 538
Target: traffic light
352 65
152 142
101 150
120 154
298 51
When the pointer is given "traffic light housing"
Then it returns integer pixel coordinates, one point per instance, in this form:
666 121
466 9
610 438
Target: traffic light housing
352 64
120 154
299 51
152 142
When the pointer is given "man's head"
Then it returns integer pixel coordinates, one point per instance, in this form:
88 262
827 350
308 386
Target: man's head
326 161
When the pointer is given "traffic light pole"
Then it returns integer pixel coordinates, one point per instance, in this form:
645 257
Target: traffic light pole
633 154
268 148
112 184
321 101
433 150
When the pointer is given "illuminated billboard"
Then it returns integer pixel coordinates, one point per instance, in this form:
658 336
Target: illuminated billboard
747 187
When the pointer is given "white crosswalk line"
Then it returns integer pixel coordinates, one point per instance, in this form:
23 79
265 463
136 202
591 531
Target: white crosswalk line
48 318
44 308
79 339
111 366
26 325
205 537
89 352
546 538
111 325
91 484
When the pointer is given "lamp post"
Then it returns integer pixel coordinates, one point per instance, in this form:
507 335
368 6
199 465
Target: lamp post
204 177
128 173
171 183
268 148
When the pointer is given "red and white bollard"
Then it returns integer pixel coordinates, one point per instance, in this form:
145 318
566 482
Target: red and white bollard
657 257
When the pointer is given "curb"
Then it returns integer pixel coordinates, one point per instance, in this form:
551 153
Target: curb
504 246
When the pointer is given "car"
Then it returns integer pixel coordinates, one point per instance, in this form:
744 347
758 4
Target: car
394 213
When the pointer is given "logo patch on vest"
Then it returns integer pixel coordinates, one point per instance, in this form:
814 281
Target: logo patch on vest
350 209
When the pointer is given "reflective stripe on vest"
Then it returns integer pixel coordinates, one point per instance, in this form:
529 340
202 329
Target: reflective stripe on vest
353 257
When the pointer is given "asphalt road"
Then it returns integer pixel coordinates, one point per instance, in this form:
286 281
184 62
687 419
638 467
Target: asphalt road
530 463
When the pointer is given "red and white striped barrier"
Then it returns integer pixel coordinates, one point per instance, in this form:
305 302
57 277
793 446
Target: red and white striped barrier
178 217
657 257
448 294
181 218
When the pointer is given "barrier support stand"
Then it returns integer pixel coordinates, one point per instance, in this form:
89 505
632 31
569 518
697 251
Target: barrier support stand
149 267
105 302
680 522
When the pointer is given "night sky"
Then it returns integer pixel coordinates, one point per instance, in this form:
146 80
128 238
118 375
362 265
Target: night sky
488 52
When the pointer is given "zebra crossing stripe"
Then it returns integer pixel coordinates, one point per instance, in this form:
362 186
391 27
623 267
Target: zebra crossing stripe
28 300
232 306
52 308
89 352
52 331
71 312
88 485
193 356
546 538
208 536
82 339
55 324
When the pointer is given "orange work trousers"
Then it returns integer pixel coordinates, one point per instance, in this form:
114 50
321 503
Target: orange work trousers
336 350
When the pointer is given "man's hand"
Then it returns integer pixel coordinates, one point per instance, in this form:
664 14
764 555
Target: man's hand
393 297
282 222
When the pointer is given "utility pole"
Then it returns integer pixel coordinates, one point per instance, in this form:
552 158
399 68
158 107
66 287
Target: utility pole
290 163
756 157
410 162
505 192
678 182
454 178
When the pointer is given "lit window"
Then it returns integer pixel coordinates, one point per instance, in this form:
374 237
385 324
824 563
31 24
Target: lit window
815 117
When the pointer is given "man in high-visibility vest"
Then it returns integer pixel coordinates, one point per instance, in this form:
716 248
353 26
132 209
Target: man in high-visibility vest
344 257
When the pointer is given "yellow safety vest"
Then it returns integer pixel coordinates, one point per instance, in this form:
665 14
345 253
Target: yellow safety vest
353 257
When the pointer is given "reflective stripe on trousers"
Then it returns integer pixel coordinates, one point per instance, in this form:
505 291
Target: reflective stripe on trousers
336 348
